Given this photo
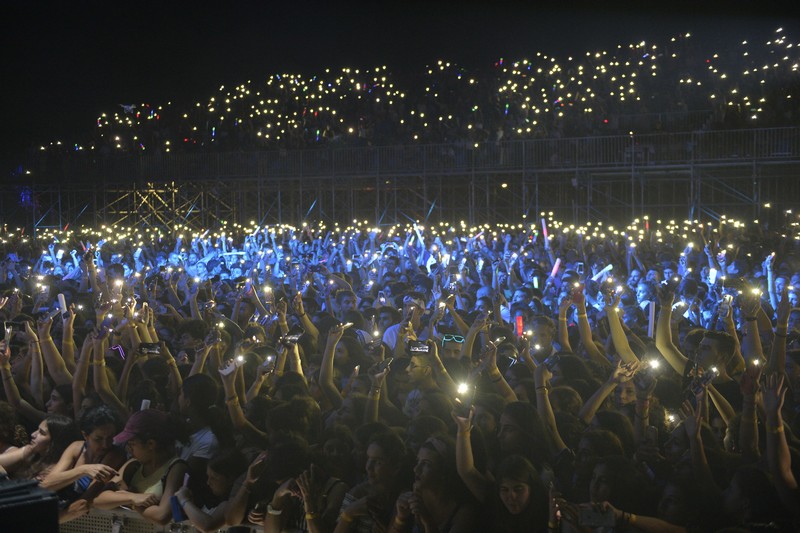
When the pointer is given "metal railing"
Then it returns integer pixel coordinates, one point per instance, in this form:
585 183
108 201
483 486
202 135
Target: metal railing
619 151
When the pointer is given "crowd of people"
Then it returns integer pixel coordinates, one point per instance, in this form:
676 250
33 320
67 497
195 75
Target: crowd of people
512 378
683 84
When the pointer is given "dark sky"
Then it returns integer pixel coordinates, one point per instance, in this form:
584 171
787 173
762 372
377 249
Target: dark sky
63 64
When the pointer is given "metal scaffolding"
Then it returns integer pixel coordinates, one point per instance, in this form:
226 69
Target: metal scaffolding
615 178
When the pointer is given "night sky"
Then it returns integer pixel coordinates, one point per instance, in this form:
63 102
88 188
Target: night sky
64 64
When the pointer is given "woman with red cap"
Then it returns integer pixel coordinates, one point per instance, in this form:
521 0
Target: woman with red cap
155 472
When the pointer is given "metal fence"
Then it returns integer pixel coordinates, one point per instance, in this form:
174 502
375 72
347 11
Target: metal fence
662 149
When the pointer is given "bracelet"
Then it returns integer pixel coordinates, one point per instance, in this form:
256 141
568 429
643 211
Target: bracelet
232 401
274 512
298 314
781 335
751 318
775 430
562 319
581 315
345 517
542 387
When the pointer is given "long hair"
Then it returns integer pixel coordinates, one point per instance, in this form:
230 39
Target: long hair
201 390
534 516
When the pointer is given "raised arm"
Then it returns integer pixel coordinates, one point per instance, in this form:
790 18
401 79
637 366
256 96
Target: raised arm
475 481
56 367
664 344
621 344
778 454
777 359
622 373
68 339
326 381
563 326
82 373
542 378
10 387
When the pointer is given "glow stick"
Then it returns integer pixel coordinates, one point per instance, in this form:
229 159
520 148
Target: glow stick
651 326
544 228
600 274
555 268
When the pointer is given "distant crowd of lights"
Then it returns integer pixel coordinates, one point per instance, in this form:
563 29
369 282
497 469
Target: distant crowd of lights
642 230
522 97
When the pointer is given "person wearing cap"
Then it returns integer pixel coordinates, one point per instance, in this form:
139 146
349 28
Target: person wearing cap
153 474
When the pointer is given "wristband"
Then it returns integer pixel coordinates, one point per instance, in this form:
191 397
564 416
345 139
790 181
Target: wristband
751 318
274 512
542 387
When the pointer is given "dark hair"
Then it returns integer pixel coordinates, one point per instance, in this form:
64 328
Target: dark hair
535 447
97 417
518 468
8 423
196 328
629 489
201 390
451 483
391 445
603 442
62 433
727 344
287 456
621 426
229 463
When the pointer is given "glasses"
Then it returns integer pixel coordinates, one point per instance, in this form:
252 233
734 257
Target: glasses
453 338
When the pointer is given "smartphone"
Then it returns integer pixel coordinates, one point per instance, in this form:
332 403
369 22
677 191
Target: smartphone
579 269
153 348
589 517
237 362
463 400
178 514
551 362
383 365
651 435
418 347
292 336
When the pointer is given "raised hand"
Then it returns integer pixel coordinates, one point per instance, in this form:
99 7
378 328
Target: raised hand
774 394
623 372
693 419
